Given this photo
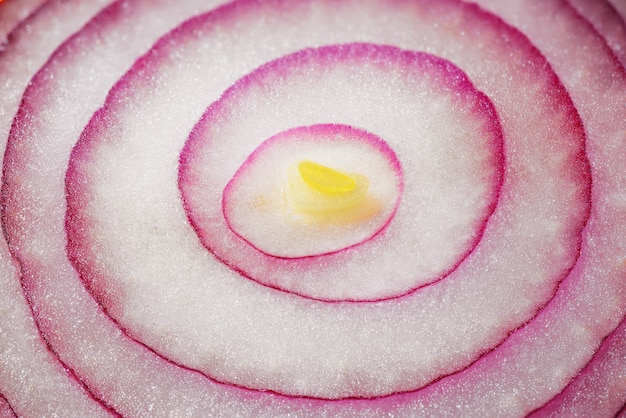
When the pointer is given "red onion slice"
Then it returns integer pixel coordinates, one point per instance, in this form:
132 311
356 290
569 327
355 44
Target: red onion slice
481 330
534 363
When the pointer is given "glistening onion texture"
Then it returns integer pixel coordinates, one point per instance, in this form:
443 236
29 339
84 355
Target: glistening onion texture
493 283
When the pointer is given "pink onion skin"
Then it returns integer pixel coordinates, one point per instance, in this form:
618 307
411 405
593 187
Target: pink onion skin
391 402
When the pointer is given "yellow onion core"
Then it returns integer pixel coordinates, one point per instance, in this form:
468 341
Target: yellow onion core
329 194
326 180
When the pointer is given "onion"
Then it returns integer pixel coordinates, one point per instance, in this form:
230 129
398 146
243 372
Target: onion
13 12
319 207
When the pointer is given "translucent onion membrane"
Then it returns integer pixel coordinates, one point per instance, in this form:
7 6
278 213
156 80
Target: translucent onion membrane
123 310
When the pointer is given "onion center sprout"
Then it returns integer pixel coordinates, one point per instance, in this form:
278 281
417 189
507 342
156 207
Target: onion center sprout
327 193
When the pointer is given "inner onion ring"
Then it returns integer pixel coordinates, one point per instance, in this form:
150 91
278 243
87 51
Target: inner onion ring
426 109
310 191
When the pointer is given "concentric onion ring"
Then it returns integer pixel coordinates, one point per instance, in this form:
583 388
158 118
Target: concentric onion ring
431 200
198 278
34 212
336 209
